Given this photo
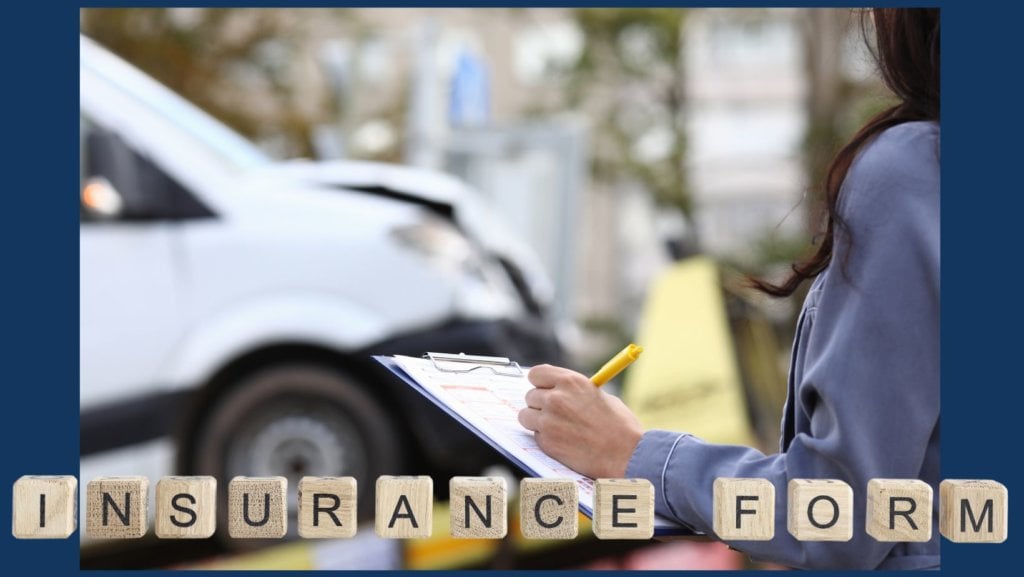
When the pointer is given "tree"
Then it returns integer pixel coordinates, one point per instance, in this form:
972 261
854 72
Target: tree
234 64
837 105
630 77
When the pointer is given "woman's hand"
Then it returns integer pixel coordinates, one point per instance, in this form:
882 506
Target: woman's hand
578 424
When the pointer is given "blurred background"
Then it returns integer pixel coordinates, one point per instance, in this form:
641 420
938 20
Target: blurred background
270 196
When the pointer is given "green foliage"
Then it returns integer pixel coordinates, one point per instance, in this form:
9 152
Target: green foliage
604 27
774 249
221 59
834 115
630 76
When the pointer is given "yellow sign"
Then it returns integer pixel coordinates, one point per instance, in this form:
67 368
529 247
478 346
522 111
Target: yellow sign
688 379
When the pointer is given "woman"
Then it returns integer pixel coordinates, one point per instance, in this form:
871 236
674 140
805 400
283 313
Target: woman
864 380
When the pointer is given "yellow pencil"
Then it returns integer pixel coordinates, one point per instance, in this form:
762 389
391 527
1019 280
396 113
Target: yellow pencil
618 363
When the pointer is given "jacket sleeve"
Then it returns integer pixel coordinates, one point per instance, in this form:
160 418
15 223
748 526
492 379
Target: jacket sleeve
870 379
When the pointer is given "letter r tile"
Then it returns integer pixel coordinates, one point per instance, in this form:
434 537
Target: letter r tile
328 507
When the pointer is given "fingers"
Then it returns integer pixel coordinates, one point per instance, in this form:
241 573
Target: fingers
613 399
535 398
530 419
543 442
544 376
548 399
549 377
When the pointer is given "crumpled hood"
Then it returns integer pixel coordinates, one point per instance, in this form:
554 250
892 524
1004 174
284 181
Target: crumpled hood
436 190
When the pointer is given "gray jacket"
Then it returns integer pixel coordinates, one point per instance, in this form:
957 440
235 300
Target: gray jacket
864 381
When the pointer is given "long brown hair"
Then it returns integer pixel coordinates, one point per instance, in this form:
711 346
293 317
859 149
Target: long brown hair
907 53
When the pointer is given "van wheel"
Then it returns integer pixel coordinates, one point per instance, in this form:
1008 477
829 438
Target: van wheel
293 421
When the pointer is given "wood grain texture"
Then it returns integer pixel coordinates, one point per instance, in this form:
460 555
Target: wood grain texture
117 507
257 507
623 509
328 507
973 511
548 508
899 510
744 509
478 507
186 507
44 507
405 507
825 502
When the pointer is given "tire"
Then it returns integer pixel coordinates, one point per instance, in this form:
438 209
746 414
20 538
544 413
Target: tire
295 420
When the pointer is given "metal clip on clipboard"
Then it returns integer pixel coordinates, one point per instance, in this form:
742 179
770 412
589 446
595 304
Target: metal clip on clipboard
463 363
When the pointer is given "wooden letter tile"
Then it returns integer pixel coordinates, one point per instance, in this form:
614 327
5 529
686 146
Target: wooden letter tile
45 507
973 511
405 507
257 507
548 508
820 510
327 507
116 507
186 507
623 509
899 510
478 507
744 509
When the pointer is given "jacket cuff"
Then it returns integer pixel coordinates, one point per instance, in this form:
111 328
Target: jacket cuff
649 461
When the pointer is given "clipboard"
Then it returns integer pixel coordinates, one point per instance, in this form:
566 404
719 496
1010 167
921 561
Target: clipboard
480 373
463 363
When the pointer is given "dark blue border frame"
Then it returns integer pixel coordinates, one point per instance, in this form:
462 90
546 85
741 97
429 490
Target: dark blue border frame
982 314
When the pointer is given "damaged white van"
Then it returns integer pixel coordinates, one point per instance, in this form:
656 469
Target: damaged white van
229 304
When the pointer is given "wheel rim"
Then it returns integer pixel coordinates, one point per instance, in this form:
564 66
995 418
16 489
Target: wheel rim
293 438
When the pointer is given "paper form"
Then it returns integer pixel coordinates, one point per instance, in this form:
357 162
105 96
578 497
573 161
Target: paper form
491 404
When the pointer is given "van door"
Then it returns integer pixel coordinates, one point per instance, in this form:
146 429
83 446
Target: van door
129 276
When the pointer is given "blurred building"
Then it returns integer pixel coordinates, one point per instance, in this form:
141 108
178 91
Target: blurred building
746 88
746 93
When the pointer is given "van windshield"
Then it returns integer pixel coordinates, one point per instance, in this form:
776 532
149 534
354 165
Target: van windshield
223 141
